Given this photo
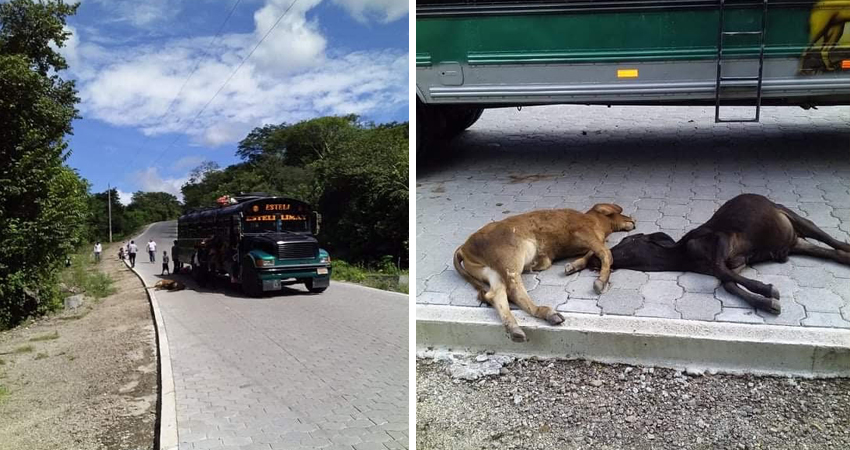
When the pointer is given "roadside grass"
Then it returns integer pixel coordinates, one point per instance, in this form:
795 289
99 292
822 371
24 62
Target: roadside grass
3 392
24 349
84 277
384 277
46 337
2 362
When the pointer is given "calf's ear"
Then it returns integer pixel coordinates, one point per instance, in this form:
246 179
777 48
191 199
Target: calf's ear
607 209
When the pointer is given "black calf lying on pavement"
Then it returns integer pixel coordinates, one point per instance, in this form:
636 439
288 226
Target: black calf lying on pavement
745 230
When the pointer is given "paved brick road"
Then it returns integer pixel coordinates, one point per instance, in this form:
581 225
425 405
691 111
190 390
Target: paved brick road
670 169
297 371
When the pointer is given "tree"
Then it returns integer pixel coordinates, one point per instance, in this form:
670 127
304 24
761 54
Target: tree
155 206
42 202
300 144
266 173
364 195
98 217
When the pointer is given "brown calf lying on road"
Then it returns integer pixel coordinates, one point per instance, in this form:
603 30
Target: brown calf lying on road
499 252
170 285
745 230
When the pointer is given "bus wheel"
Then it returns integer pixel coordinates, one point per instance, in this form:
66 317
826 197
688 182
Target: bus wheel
250 282
318 290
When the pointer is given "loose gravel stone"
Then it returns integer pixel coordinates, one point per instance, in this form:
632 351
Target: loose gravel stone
575 405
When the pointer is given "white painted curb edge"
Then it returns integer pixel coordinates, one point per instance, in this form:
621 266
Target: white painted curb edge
348 283
167 432
680 344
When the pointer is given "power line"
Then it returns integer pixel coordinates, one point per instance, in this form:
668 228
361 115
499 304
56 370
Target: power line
241 63
186 81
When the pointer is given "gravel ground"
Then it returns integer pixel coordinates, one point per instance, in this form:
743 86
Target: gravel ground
542 404
92 387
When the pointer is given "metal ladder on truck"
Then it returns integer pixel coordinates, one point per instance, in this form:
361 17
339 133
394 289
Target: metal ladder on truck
739 81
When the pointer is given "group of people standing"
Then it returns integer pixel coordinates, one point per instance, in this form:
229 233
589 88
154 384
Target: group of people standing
130 249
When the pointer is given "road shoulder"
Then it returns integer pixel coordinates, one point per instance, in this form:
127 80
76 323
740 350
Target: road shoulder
83 379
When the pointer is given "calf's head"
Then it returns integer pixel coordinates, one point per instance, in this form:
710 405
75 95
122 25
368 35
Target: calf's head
648 252
613 214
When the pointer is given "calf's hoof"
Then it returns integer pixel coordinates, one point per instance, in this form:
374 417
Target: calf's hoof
555 318
774 293
569 269
517 335
774 307
599 286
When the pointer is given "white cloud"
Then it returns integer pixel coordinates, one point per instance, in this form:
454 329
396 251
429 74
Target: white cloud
140 13
289 78
150 181
124 197
295 43
383 10
187 162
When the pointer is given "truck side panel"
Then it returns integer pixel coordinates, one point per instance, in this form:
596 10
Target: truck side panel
628 52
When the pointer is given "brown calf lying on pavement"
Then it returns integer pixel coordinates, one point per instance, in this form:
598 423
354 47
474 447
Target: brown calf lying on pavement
170 285
745 230
499 252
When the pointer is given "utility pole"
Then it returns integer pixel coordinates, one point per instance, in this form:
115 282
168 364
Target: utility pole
109 202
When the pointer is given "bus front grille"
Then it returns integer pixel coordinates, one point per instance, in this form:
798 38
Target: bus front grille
297 250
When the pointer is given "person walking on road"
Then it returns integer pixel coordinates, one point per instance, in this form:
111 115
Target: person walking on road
152 250
97 250
132 249
165 264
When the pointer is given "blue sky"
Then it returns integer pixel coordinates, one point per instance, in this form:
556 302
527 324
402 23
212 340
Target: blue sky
130 59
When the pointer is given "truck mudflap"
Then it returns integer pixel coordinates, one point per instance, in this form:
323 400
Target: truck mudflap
321 282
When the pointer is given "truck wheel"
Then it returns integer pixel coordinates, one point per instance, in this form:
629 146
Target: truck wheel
460 118
250 282
426 132
313 290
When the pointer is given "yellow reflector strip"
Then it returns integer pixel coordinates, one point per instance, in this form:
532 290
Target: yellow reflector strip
627 73
845 64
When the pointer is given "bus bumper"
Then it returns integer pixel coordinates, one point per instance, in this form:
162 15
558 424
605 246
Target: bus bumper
276 278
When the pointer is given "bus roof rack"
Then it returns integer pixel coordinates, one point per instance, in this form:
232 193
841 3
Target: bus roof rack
244 197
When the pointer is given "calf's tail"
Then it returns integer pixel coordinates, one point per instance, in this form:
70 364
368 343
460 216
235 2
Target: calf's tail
806 228
478 284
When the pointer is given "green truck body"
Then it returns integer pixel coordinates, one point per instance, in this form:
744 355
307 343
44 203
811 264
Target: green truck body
472 54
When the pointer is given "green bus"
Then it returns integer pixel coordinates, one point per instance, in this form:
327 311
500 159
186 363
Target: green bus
259 242
473 54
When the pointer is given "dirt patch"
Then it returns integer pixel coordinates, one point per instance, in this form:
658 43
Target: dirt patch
530 178
541 404
90 381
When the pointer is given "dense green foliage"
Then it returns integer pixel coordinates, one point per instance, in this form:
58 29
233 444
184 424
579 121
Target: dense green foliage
42 201
355 174
381 276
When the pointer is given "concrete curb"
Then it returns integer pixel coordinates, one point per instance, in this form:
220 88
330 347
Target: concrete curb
371 288
167 433
679 344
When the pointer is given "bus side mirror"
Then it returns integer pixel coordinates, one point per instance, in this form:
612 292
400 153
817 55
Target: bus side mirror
317 220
